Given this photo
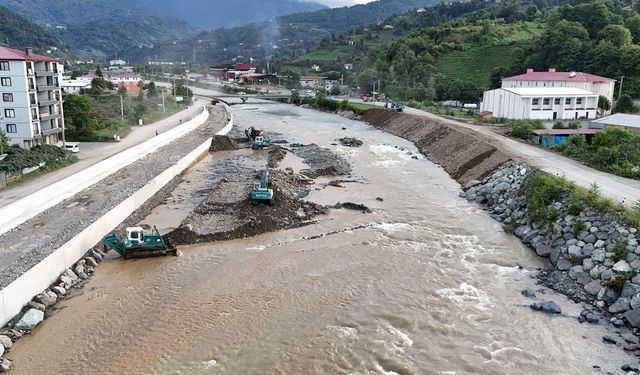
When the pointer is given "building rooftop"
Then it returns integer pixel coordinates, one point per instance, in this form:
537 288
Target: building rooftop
620 119
16 54
548 91
552 75
312 78
581 131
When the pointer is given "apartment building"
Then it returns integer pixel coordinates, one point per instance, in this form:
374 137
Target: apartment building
31 105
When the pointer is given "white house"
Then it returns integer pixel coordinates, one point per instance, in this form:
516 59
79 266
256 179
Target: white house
31 110
619 120
312 81
579 80
543 103
117 62
71 86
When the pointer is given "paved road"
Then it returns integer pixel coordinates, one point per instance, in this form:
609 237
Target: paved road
621 189
92 153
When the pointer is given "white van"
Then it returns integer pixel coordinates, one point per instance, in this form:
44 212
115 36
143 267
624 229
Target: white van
72 147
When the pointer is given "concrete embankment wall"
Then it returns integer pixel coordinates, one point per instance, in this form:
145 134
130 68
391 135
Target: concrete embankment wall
19 293
464 154
24 209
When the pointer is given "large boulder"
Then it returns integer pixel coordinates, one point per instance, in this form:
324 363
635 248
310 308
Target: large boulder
633 317
29 320
5 342
46 298
621 266
593 287
619 306
5 365
548 307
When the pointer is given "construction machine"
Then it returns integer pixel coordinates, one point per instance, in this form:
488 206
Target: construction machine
257 138
394 103
140 244
261 191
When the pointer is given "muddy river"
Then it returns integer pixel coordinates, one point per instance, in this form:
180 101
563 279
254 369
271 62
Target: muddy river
426 283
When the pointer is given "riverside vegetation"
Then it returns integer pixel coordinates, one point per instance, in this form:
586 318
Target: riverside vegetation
591 241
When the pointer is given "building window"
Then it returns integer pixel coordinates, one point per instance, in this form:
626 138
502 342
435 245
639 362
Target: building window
11 128
4 65
535 101
579 101
5 81
556 101
567 101
546 101
10 113
7 97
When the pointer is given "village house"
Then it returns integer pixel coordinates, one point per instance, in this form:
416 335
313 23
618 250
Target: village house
312 82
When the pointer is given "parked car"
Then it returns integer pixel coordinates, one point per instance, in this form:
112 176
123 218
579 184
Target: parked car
73 147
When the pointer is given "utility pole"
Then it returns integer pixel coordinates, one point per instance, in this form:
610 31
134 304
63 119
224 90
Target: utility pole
121 110
620 87
164 110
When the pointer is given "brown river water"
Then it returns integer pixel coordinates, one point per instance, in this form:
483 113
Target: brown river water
425 284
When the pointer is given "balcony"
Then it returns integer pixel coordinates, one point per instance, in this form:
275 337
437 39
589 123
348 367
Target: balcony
51 131
46 87
45 102
45 73
48 116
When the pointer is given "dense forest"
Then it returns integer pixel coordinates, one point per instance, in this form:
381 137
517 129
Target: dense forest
17 32
455 51
281 37
100 28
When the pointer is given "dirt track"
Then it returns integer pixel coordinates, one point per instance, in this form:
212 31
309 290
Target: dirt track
464 154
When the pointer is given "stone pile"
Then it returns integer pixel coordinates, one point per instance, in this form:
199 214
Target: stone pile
34 312
596 259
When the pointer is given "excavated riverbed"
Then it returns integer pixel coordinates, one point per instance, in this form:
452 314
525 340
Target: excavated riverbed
422 282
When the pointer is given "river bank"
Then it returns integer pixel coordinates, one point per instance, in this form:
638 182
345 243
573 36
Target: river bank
425 283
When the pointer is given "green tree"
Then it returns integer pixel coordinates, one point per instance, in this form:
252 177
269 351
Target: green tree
98 72
4 141
152 90
122 90
495 78
603 104
624 104
79 120
618 35
98 85
633 24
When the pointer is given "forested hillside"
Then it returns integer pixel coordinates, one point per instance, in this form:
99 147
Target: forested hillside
281 37
100 28
455 51
208 14
17 32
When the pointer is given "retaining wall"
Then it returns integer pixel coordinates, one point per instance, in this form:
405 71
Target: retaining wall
24 209
17 294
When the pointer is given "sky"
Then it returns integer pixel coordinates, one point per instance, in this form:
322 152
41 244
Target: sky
340 3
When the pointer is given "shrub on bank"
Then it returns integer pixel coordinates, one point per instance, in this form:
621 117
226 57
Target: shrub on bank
18 159
522 129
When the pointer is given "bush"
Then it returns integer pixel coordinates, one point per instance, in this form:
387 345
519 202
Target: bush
522 128
18 159
620 249
578 226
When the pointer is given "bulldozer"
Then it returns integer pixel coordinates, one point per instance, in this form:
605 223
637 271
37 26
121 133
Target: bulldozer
261 191
140 244
394 103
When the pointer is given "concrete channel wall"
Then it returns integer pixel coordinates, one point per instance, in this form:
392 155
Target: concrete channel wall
17 294
24 209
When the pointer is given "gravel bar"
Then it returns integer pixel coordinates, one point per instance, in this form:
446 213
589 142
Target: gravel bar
28 244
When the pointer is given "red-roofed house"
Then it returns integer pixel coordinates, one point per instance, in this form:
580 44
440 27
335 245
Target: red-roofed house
231 72
579 80
31 106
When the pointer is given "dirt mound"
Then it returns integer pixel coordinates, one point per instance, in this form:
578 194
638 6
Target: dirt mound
464 154
321 161
228 212
350 142
275 157
222 143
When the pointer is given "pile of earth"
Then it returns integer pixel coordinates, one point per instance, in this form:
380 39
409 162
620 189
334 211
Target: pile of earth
229 212
350 142
222 143
463 153
321 161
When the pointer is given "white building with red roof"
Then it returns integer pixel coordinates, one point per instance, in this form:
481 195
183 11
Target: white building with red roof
548 96
31 102
579 80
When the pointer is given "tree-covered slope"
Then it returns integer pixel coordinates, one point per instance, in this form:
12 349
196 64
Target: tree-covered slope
208 14
17 32
281 37
100 28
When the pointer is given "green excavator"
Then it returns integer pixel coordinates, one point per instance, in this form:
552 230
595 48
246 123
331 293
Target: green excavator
261 191
140 244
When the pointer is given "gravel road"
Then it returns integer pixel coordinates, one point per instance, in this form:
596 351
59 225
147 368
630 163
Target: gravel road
26 245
